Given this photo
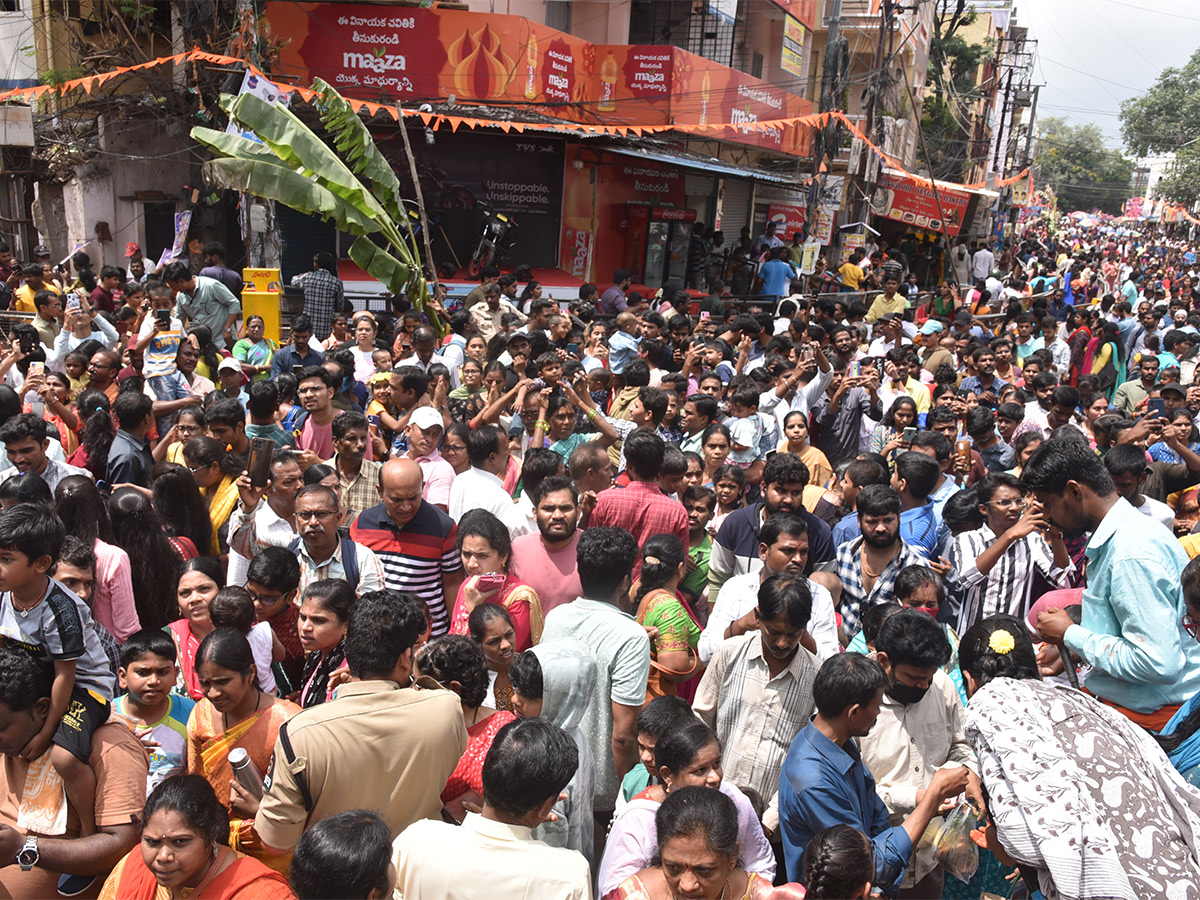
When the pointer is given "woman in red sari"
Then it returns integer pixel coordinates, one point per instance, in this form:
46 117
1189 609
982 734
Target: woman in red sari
486 548
184 851
456 662
1079 335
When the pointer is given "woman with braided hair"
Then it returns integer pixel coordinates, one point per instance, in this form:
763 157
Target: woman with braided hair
838 865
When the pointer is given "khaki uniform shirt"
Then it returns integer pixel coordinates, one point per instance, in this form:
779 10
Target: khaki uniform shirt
375 746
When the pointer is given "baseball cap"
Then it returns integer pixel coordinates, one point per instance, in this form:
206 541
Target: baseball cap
425 417
41 250
933 326
962 317
132 248
229 364
1174 387
888 317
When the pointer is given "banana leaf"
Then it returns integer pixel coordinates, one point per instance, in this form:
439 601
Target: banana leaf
354 141
384 267
279 183
299 148
223 144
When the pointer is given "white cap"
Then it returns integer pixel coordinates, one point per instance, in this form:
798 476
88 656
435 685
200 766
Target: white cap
229 364
425 417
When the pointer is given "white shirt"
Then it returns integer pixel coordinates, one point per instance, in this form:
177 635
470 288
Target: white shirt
477 489
981 263
484 858
274 530
1158 511
415 360
54 472
739 595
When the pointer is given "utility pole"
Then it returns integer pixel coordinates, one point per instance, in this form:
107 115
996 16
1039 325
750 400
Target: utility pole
825 138
877 81
1029 129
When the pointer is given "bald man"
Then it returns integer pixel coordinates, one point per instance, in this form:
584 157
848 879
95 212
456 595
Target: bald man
416 542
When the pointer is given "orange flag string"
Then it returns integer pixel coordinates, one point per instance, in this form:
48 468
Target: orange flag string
435 121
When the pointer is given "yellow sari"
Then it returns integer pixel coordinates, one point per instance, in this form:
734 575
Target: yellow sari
208 755
221 499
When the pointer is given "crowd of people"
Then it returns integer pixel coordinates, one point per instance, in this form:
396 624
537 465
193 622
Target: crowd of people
624 599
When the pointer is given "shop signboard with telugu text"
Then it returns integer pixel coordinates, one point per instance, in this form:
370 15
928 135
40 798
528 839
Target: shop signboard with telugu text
911 201
822 231
370 51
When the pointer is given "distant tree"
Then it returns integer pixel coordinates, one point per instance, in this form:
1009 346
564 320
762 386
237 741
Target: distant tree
1166 119
946 116
1083 172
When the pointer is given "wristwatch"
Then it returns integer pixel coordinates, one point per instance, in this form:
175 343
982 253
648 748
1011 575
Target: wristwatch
28 856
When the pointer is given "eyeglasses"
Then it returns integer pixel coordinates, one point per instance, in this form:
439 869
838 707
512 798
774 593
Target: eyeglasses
315 514
1191 626
264 599
1007 504
195 469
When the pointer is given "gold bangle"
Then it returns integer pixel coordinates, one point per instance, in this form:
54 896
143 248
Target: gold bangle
542 424
592 413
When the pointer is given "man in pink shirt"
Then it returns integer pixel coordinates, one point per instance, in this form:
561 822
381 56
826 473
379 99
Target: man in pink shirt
425 427
641 508
546 561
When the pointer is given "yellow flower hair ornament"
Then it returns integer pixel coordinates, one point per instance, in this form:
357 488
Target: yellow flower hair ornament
1001 642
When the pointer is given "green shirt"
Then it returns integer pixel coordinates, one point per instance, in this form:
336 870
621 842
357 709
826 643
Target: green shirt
713 305
283 440
693 584
635 781
567 445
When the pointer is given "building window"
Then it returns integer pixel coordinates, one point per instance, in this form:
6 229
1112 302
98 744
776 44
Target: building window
690 26
756 64
10 6
558 14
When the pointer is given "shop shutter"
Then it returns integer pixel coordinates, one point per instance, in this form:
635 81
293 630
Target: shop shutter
735 210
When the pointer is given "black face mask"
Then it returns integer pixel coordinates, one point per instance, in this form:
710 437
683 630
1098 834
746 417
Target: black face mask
906 693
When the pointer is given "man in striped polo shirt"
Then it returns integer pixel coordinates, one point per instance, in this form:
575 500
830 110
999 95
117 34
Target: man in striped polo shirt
416 542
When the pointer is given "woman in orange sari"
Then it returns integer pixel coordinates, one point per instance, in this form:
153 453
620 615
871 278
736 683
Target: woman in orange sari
485 548
184 852
233 714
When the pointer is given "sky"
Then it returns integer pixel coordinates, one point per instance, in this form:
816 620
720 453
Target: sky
1095 53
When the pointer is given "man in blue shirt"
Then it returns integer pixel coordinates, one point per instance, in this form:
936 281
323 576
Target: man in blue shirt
299 352
1132 633
824 782
777 274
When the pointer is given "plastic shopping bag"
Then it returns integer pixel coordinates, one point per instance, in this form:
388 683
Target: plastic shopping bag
952 845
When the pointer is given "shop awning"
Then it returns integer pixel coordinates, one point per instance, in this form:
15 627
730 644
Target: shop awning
705 164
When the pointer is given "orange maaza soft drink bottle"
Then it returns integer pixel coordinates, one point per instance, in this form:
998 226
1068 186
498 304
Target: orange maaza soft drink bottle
608 84
531 68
